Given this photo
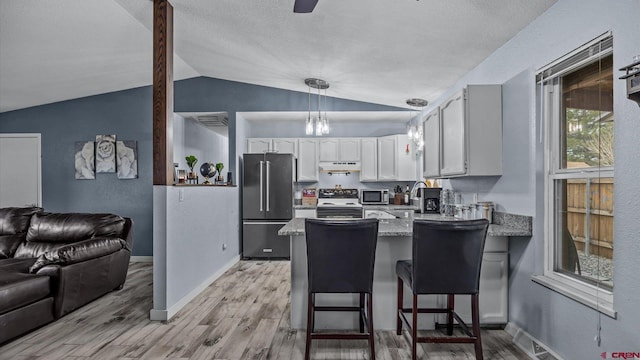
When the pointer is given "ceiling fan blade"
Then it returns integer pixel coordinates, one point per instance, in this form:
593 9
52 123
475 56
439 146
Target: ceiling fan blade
304 6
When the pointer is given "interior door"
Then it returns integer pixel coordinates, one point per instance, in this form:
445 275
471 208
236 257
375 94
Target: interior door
20 170
279 176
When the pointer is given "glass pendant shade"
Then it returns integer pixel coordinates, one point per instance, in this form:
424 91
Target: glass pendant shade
317 126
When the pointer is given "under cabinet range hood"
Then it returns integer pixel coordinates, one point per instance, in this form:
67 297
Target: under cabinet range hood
339 166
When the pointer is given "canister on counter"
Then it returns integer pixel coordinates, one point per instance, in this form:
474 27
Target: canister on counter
484 210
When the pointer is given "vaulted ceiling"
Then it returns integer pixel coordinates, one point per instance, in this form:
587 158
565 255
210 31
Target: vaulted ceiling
379 51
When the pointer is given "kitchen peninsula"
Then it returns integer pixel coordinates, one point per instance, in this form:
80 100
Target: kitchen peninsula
394 243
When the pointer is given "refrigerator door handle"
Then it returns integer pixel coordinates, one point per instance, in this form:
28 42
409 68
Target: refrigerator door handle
268 188
261 187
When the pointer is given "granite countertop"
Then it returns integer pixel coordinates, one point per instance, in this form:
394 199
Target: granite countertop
505 224
368 207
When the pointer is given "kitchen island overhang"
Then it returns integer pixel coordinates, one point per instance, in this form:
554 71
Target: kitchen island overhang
394 243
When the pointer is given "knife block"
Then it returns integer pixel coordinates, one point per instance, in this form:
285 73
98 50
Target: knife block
398 199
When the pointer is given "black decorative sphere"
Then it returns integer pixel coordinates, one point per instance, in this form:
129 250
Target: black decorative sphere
208 170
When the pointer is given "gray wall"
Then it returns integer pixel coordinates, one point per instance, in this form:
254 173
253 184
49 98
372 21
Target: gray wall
565 325
128 114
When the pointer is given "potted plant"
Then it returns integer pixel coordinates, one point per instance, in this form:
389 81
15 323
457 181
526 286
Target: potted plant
191 162
219 167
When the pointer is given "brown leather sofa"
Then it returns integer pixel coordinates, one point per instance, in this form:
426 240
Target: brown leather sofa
54 263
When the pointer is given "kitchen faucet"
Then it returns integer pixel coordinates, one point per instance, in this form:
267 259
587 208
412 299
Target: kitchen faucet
415 185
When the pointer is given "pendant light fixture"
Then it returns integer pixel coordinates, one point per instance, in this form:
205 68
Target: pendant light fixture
415 131
321 123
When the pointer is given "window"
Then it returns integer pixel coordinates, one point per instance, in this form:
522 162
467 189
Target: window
577 108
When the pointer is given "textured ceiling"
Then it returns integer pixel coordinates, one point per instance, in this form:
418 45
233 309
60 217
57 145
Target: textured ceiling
380 51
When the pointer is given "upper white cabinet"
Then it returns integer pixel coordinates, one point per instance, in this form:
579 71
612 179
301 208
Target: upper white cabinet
431 152
339 149
387 158
349 149
258 145
286 146
394 157
406 158
470 133
369 159
307 159
280 145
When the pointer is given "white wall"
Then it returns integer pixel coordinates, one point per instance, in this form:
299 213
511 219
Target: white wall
192 227
565 325
196 231
192 138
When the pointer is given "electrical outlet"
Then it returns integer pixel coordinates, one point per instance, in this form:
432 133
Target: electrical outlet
224 247
181 195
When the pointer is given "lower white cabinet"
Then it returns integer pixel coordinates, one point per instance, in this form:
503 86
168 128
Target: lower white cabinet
305 213
494 292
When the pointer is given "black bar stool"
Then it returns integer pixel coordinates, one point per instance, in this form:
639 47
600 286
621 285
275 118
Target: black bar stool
340 259
446 260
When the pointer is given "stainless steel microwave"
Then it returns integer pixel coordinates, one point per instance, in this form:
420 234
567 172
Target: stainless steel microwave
377 197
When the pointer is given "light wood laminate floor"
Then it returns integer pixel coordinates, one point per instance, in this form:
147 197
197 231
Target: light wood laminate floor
243 315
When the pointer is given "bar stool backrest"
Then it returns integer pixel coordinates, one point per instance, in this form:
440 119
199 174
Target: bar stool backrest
447 256
341 255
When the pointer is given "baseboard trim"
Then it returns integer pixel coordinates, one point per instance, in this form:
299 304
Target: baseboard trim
165 315
141 259
531 346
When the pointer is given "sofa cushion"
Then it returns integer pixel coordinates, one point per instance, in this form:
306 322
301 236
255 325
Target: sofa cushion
9 244
78 252
49 231
20 265
71 227
17 290
14 220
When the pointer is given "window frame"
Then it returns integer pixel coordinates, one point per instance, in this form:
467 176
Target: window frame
582 291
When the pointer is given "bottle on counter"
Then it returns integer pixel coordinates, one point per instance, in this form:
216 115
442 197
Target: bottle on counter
407 196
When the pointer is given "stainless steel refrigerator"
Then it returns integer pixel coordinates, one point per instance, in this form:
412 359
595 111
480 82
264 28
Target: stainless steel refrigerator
267 204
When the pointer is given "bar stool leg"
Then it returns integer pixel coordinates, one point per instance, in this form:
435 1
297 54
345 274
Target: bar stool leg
361 320
450 309
414 328
399 302
310 311
371 333
475 319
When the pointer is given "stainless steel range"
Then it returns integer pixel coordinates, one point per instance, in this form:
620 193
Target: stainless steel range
338 203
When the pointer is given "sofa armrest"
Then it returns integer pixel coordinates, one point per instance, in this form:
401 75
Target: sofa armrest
78 252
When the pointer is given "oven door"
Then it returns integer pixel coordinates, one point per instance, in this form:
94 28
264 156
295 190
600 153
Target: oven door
351 212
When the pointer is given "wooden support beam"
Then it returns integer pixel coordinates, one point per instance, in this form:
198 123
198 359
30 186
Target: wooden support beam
162 92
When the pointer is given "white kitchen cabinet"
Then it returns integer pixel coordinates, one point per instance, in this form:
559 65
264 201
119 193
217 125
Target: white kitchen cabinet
349 149
307 160
431 152
258 145
406 158
329 150
369 159
471 132
286 146
305 213
494 286
395 163
387 158
339 149
494 291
